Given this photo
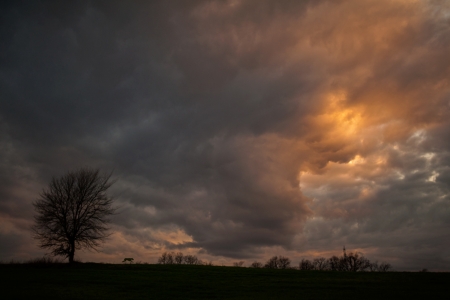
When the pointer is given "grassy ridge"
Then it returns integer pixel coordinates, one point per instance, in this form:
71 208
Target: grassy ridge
104 281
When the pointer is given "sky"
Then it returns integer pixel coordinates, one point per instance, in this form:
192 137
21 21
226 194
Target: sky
235 129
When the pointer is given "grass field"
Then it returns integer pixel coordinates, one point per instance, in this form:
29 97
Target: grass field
106 281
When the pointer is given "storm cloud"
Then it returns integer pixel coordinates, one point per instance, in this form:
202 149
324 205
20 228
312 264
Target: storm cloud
235 129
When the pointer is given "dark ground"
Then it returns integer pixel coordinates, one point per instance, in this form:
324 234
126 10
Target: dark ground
106 281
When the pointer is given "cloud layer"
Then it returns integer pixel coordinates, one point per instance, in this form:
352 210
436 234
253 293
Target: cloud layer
235 129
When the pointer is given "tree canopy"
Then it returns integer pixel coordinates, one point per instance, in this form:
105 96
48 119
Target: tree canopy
72 212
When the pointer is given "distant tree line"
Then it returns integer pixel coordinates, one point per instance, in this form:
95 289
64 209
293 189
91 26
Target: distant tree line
351 262
172 258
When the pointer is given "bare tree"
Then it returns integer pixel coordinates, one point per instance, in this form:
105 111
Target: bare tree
351 262
239 263
162 259
334 263
191 260
171 258
72 213
373 267
178 258
320 264
272 263
276 262
384 267
284 262
165 259
306 265
354 262
256 264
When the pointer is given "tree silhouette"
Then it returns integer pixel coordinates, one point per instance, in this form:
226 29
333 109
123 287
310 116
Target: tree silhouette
256 264
284 262
72 213
172 258
334 263
178 258
354 262
166 258
192 260
276 262
384 267
272 263
239 263
306 265
320 264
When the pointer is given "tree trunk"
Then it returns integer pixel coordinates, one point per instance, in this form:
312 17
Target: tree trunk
72 252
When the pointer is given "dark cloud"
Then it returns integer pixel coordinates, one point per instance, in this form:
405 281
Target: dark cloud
211 113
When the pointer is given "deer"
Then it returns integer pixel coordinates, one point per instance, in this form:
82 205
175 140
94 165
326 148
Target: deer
129 259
